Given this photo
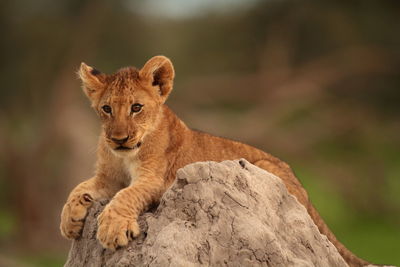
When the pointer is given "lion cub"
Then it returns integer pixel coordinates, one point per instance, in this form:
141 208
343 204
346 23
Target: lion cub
142 145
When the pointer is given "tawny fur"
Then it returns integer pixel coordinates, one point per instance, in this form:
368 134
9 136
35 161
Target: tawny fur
157 143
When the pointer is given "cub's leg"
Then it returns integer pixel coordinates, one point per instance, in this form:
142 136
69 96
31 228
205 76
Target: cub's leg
117 224
80 199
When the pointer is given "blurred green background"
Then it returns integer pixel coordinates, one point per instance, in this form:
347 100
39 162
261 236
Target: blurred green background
315 83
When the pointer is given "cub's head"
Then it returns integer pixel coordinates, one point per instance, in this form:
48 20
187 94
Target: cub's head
129 101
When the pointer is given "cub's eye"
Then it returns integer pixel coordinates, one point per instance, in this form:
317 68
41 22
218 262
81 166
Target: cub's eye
136 108
106 109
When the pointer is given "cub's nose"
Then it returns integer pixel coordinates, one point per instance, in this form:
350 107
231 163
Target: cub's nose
120 141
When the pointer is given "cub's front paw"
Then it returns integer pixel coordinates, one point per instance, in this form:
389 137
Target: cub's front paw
114 229
74 214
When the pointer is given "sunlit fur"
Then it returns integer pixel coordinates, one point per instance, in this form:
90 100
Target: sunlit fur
137 176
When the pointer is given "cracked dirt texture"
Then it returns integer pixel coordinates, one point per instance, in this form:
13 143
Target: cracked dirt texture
217 214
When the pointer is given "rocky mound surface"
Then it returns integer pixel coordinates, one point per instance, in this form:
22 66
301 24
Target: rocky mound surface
217 214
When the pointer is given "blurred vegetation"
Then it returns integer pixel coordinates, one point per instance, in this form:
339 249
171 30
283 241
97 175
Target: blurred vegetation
314 82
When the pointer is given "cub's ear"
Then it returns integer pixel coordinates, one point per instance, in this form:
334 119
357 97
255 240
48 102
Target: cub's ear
159 71
92 81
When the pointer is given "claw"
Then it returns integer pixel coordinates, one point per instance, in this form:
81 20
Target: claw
130 235
76 220
87 198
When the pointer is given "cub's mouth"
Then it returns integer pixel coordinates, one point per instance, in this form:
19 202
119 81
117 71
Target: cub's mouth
123 148
126 148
